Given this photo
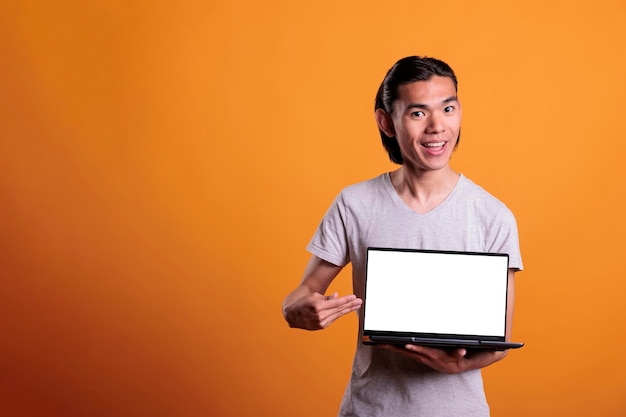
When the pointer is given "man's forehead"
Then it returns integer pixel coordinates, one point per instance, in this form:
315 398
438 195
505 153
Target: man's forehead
435 90
433 85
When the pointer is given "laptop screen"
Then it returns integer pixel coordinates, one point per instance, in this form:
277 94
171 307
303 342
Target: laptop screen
436 292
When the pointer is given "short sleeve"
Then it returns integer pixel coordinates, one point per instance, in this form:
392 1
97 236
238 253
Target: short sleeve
330 240
504 237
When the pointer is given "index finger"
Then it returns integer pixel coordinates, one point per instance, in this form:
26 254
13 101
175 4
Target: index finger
335 301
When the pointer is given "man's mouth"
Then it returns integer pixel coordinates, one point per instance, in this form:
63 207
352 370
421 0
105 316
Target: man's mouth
434 144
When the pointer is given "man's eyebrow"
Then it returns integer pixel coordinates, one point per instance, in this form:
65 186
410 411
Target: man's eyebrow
426 106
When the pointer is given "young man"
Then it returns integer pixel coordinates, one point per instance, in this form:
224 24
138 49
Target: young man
424 204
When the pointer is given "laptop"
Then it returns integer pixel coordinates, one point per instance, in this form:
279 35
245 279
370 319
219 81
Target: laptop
436 298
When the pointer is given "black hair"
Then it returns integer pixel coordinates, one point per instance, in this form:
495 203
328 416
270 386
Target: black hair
407 70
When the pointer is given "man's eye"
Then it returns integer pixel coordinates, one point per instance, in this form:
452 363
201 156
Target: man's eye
448 109
417 114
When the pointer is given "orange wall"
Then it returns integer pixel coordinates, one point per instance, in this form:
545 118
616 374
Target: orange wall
163 167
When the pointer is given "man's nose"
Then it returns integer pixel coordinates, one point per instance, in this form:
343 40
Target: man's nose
435 123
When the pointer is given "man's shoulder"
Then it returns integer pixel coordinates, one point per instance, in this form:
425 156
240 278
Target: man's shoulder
366 187
479 195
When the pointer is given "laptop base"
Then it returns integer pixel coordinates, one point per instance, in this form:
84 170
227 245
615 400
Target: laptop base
441 343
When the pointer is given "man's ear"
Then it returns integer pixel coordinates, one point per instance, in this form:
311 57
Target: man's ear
383 120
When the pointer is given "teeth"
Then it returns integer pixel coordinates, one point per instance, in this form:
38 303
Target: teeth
434 144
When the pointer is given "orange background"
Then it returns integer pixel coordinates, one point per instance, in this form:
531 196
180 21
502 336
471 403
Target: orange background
163 166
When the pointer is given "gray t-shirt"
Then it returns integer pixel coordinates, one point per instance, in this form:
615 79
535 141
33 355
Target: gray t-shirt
371 213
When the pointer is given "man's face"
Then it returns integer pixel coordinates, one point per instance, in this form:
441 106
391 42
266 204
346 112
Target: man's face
426 120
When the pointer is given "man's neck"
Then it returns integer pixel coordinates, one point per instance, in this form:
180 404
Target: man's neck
422 191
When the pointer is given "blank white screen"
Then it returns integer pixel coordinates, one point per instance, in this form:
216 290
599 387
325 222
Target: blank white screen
426 292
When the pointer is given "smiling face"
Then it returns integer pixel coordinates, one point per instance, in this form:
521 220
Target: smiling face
426 120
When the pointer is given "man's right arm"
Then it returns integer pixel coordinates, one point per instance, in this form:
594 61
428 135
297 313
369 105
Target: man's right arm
308 308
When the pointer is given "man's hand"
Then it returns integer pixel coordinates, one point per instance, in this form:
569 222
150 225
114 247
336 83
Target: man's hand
316 311
307 308
449 361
